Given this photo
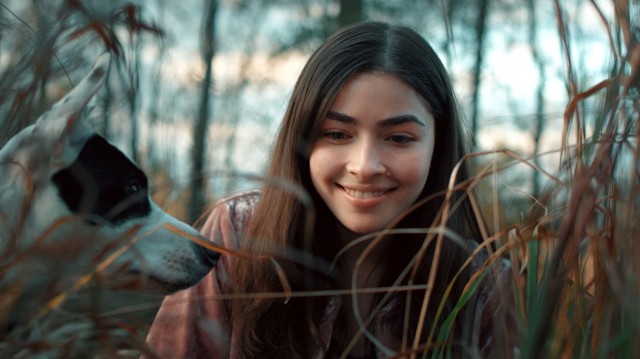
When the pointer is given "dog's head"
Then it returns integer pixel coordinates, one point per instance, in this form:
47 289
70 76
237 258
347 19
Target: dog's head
65 191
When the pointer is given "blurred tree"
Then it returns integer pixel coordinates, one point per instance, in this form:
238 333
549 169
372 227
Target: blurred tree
350 12
155 98
480 37
319 25
539 99
233 94
198 190
450 10
133 74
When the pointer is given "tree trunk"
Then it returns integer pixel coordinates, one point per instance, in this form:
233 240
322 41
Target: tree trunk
540 108
481 22
134 87
198 190
350 12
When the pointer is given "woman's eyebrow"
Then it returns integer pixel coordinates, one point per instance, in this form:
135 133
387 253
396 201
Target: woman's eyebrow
399 120
341 117
388 122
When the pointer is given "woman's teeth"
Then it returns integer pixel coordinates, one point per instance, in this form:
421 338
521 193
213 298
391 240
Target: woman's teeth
361 194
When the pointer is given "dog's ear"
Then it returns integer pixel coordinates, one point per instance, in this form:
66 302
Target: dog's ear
61 123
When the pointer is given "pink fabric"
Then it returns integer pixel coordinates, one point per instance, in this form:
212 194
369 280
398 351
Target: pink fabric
193 323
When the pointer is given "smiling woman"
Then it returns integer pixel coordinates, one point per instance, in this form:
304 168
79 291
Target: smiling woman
366 151
372 159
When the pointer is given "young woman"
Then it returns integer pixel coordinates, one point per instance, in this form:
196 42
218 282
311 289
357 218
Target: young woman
333 243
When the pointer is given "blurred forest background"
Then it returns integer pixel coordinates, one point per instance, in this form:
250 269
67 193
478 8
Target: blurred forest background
550 90
200 86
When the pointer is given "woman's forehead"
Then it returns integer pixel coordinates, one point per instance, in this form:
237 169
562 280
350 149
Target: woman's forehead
378 95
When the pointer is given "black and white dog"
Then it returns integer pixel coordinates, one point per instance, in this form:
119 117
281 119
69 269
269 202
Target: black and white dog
73 204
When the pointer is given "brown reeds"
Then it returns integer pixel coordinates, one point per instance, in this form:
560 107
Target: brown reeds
575 255
577 265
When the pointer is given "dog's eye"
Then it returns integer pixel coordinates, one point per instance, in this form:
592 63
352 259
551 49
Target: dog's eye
132 188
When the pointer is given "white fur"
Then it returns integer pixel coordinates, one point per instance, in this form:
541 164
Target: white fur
163 260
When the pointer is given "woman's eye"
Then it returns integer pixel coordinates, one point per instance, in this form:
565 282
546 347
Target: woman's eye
336 135
401 139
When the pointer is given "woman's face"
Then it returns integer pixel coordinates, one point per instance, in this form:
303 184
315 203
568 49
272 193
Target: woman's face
372 158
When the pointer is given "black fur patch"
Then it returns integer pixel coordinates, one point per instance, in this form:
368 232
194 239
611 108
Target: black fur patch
103 182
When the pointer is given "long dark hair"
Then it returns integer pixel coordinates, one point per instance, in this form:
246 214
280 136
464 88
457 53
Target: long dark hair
280 222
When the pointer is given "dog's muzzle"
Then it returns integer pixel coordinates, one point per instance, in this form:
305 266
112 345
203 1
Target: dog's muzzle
208 256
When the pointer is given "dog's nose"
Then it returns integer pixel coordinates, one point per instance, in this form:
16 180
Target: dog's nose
208 256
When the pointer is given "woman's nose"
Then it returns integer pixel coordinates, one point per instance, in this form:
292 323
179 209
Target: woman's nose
365 160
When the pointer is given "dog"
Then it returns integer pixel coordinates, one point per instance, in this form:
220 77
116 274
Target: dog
74 208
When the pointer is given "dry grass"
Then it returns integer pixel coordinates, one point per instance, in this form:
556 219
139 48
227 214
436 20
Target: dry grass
574 253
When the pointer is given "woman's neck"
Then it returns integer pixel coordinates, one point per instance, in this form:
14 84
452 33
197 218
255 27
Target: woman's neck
368 265
368 262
